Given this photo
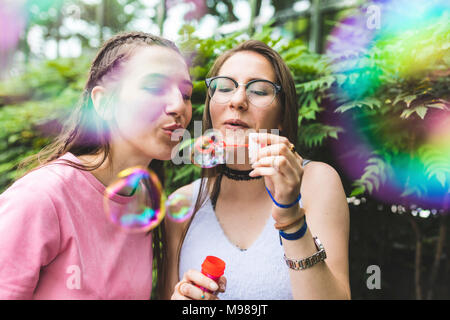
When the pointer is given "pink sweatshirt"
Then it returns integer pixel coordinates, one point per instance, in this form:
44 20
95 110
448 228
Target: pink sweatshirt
57 243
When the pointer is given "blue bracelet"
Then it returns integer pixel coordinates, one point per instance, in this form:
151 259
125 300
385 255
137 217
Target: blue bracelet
284 205
296 235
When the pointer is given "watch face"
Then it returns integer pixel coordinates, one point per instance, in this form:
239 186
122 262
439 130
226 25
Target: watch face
318 243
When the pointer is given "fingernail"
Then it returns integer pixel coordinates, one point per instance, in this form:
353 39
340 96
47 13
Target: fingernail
213 286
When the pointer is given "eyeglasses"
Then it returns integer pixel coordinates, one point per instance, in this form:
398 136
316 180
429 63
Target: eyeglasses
260 93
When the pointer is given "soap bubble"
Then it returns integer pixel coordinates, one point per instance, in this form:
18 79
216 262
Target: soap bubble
208 150
179 207
135 201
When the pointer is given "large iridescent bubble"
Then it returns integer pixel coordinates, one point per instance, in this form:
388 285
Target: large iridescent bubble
396 148
135 202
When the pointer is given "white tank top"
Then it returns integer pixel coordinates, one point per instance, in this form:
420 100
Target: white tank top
257 273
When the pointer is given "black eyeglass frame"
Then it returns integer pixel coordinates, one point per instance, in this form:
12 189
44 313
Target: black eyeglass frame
277 86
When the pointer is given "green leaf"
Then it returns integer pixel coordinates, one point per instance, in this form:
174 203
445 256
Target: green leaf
319 84
368 102
408 99
441 106
421 111
357 191
441 177
313 134
436 162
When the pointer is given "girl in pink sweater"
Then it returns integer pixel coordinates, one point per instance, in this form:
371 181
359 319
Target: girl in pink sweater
55 239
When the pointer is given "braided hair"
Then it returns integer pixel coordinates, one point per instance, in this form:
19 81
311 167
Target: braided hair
85 133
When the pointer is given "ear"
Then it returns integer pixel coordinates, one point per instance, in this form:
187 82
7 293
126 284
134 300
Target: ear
98 96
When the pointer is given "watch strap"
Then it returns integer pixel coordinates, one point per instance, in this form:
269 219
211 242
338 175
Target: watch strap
308 262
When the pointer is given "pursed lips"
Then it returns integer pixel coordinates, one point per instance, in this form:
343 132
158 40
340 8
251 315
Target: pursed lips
236 124
169 129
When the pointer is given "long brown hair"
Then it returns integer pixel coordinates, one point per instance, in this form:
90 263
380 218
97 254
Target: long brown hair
287 99
86 133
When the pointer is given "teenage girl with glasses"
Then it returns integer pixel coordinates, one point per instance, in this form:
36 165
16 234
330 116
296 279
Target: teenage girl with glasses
281 225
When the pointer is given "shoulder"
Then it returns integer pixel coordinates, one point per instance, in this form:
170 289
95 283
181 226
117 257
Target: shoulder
39 189
38 183
189 191
29 203
321 182
317 172
50 175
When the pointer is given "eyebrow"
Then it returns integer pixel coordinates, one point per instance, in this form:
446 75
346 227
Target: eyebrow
251 79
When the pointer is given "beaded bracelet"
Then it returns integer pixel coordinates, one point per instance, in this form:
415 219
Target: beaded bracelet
284 205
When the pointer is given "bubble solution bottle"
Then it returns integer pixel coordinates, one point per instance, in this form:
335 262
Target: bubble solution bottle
213 268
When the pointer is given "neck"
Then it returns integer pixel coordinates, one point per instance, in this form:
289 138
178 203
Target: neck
235 186
114 164
238 175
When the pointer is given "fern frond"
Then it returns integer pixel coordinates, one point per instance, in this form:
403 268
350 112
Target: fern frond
322 83
368 102
436 161
313 134
375 175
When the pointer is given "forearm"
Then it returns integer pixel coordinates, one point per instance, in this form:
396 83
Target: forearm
316 282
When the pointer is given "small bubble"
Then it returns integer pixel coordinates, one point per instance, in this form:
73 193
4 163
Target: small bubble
135 201
179 207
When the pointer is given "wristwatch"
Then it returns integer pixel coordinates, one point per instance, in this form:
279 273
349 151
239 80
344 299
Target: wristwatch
305 263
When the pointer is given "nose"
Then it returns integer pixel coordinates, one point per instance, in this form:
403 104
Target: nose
239 99
176 105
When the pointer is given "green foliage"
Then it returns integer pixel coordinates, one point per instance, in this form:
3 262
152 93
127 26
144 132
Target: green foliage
389 89
371 103
53 88
436 163
313 134
375 173
308 70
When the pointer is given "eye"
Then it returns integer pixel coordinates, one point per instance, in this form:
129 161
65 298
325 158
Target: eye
225 89
186 92
186 96
157 91
260 89
259 92
222 85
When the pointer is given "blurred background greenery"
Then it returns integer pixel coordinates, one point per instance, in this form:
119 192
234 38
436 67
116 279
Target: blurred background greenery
45 75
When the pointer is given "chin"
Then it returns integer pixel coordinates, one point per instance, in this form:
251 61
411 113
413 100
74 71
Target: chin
165 157
164 152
